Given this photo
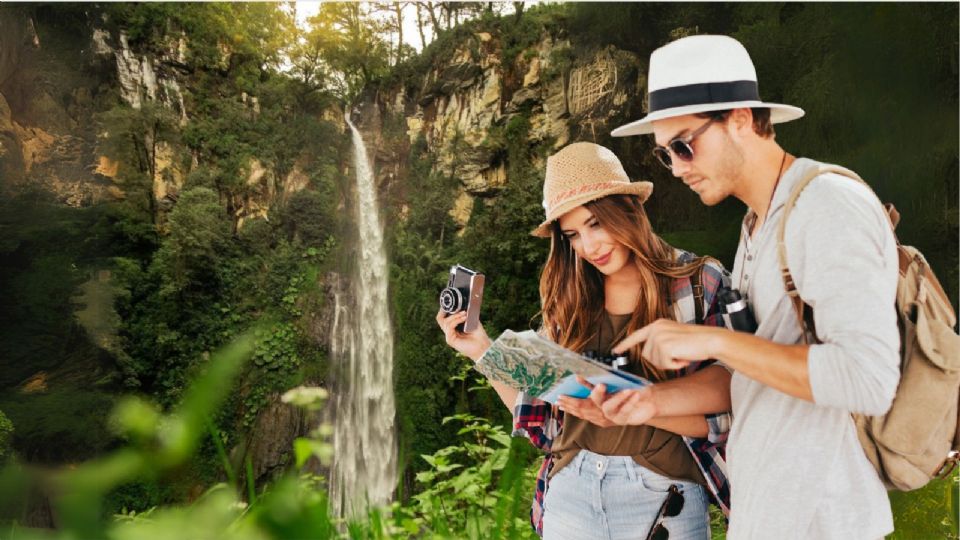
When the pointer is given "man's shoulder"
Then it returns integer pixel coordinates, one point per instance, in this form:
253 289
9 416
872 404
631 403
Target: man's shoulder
834 184
833 196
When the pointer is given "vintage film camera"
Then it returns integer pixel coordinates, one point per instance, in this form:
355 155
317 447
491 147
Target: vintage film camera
619 362
464 292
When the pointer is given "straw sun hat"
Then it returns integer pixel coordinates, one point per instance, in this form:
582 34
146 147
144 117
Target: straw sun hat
583 172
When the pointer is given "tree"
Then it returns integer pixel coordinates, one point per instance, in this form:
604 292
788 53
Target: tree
307 61
132 136
398 11
199 235
434 23
352 42
423 38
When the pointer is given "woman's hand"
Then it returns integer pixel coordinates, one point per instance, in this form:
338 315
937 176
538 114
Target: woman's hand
630 407
472 344
589 407
625 408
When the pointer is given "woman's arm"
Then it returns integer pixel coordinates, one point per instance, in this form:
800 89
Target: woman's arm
473 345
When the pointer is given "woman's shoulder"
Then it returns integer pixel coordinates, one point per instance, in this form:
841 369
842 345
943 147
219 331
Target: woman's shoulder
711 266
712 276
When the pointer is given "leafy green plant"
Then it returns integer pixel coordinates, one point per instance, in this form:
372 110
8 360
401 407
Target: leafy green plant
457 496
6 431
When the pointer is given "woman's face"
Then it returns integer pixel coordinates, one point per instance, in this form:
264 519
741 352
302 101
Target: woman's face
591 241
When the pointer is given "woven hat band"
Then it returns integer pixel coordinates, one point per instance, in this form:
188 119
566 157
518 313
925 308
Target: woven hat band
696 94
579 190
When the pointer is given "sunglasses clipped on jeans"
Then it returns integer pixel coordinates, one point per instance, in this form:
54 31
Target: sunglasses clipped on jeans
680 147
671 507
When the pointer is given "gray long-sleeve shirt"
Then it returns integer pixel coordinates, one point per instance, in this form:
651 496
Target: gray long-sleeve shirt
796 468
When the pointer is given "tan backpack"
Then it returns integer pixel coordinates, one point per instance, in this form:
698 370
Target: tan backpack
919 437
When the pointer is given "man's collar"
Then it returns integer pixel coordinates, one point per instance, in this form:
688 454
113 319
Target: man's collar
781 192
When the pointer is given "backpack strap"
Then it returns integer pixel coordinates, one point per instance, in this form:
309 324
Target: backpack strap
697 287
803 311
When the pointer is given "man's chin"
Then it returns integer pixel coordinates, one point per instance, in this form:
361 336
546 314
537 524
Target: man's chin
711 199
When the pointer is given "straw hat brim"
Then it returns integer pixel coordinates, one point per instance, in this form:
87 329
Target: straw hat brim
779 113
641 189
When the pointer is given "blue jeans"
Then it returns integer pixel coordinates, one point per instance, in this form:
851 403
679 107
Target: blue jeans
613 498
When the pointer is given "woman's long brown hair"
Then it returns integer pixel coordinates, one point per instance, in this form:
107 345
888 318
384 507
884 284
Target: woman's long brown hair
572 292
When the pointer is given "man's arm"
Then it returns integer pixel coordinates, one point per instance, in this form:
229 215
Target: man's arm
672 345
705 391
677 405
843 258
592 409
664 404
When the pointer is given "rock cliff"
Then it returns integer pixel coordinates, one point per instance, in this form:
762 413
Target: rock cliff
462 104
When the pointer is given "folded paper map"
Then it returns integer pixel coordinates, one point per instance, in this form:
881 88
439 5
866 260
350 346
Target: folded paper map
539 367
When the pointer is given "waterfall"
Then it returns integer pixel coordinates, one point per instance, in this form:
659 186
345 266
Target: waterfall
365 462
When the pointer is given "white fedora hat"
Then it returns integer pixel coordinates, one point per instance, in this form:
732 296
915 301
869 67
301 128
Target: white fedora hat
582 172
700 74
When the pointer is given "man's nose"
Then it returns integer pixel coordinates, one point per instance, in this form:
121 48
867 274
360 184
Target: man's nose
679 167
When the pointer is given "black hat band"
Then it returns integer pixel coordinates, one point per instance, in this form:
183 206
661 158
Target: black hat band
701 94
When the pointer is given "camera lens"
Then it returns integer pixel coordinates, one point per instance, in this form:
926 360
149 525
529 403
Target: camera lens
451 300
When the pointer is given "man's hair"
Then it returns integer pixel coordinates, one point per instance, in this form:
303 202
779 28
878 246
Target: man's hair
762 125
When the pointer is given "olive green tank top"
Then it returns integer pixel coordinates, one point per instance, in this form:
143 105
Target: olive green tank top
658 450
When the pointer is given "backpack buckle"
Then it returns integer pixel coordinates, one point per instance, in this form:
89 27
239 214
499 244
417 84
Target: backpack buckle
953 457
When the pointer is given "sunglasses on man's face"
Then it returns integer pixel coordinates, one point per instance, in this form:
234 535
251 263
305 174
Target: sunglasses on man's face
671 507
680 147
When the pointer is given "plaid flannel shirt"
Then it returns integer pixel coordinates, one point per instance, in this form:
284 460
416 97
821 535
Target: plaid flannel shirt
541 422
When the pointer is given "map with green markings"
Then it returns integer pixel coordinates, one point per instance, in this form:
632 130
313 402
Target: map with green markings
539 367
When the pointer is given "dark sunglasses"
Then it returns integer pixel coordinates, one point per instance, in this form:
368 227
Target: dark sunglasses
680 147
671 507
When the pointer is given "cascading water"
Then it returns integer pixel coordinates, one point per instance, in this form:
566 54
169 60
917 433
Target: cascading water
364 464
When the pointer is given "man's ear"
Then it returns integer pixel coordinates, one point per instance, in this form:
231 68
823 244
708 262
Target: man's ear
741 121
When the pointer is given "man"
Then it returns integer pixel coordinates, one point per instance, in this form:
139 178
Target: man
795 465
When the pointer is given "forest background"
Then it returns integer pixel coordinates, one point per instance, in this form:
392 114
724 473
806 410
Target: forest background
161 239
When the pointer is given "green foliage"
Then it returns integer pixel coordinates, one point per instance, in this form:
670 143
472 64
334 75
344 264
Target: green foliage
275 349
559 63
929 512
199 234
205 280
456 498
6 434
309 217
352 43
64 424
244 39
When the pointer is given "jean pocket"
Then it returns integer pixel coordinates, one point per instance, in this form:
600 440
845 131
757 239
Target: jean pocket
657 482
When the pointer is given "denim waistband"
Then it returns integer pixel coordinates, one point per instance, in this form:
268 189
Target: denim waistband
593 464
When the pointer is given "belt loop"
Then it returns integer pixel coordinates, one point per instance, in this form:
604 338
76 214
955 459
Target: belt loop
578 461
632 469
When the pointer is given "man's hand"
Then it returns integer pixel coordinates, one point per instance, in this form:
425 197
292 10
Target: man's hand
668 344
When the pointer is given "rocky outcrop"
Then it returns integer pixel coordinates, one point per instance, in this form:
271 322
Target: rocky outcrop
268 445
49 99
470 96
47 133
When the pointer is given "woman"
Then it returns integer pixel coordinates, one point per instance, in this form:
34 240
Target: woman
607 275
